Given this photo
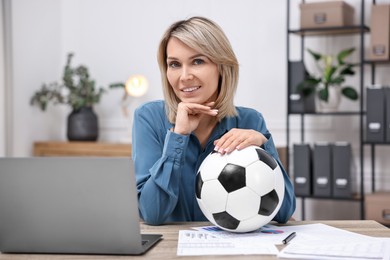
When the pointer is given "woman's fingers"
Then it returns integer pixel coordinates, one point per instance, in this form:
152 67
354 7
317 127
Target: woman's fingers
189 114
193 108
238 139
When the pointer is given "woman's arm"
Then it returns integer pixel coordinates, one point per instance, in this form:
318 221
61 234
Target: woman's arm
158 155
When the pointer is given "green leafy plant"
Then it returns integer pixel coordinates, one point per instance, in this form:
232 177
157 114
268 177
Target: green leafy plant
333 71
76 89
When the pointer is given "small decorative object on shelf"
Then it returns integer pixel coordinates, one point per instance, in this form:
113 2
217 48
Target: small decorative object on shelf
82 125
332 73
79 92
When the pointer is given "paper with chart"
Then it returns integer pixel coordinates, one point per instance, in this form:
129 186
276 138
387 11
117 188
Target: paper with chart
211 240
193 242
266 234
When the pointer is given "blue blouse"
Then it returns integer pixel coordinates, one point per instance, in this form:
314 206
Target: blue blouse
166 164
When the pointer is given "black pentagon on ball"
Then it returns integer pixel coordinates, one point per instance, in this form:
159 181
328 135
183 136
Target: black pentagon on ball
266 158
198 185
269 202
232 177
226 220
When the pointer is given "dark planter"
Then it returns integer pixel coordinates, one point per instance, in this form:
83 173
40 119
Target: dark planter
82 125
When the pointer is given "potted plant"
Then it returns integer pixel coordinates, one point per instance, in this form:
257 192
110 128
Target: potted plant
79 92
332 72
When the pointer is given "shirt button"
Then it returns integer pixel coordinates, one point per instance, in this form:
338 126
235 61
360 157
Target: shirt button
179 139
178 150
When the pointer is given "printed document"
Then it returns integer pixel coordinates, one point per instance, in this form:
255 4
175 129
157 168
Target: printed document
320 241
193 242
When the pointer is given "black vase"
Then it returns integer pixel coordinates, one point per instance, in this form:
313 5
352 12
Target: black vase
82 125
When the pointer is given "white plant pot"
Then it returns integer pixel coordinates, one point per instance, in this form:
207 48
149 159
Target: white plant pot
334 100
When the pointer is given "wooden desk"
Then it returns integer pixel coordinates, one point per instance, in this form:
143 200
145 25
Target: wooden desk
99 149
166 249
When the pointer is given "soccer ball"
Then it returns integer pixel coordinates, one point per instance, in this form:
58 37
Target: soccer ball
241 191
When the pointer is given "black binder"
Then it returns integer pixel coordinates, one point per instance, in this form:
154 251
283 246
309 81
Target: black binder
322 167
296 101
375 114
302 170
341 164
387 123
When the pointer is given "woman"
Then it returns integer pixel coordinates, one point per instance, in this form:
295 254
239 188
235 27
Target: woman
171 138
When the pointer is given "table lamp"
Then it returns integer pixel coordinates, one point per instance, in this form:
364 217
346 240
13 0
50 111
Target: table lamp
135 86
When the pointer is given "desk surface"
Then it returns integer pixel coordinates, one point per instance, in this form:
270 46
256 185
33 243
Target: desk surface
166 249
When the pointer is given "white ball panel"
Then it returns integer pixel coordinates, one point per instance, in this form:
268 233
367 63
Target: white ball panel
243 203
243 157
212 166
253 223
260 178
214 196
279 183
205 211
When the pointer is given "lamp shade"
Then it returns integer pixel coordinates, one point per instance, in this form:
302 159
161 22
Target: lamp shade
136 86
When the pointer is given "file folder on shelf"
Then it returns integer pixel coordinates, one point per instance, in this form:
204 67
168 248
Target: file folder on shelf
375 114
302 170
296 101
322 167
341 164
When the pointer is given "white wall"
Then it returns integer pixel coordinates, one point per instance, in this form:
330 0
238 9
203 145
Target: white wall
116 39
119 38
5 76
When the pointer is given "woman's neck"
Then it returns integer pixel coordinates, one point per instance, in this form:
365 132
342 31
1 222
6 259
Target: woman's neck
205 128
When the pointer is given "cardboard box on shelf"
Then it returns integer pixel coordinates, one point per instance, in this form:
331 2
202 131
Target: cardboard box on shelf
377 207
380 32
326 14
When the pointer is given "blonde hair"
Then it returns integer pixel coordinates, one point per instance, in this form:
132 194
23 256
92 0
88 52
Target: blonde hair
207 38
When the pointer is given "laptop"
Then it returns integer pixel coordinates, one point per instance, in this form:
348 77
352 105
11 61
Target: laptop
70 205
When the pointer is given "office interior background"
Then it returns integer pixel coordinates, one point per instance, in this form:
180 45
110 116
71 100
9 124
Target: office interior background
118 38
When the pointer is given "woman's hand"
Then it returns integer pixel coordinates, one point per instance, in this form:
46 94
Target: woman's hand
189 114
238 139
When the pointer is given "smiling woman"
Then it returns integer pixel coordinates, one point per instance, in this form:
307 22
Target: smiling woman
171 138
